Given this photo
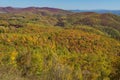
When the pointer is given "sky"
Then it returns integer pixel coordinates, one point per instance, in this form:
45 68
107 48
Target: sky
65 4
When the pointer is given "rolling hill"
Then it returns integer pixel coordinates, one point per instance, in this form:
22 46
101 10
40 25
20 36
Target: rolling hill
55 44
33 10
108 23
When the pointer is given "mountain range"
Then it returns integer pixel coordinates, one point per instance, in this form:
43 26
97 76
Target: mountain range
32 10
55 10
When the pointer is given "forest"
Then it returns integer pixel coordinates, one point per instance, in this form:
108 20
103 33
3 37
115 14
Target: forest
55 44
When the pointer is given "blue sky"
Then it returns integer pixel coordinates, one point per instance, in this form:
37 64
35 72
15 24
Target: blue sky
64 4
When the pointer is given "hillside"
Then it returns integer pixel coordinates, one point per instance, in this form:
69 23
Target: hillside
92 19
108 23
54 44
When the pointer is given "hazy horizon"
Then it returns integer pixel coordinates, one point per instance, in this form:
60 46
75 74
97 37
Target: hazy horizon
57 8
67 5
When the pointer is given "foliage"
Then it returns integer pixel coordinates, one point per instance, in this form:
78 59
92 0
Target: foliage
33 47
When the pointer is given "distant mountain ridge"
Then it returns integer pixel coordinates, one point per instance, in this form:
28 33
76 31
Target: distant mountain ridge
52 10
117 12
32 10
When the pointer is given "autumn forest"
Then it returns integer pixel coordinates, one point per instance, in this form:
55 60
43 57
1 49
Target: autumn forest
55 44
